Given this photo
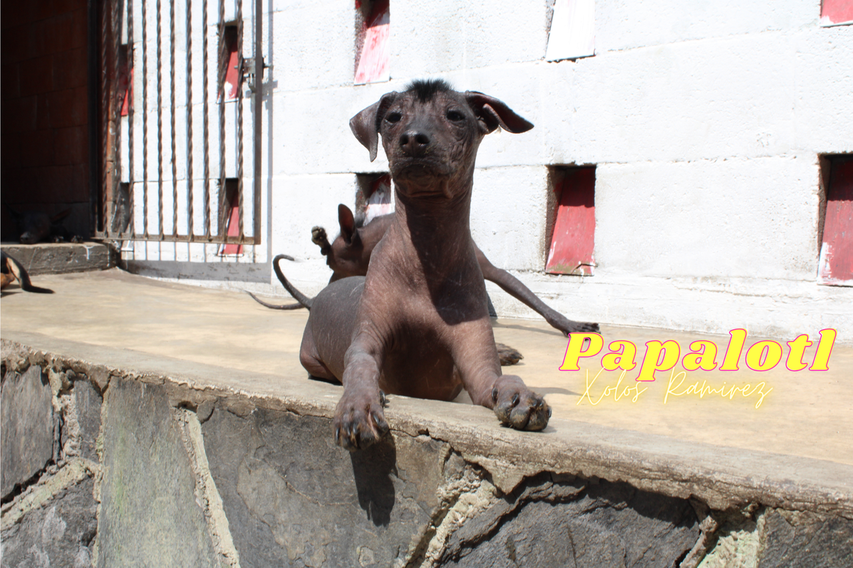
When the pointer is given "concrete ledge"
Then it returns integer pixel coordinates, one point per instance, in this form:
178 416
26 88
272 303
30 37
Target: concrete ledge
200 442
263 482
60 258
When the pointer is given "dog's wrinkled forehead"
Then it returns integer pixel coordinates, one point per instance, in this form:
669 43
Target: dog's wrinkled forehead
426 90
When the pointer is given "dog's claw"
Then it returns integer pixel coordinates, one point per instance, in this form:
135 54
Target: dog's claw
359 420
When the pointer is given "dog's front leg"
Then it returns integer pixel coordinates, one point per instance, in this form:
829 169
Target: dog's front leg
476 359
359 416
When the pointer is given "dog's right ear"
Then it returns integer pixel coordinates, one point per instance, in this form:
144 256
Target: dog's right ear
365 125
347 222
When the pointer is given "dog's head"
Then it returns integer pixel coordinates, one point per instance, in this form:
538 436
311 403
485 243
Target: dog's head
431 132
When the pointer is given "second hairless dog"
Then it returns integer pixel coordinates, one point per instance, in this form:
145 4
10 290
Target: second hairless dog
349 255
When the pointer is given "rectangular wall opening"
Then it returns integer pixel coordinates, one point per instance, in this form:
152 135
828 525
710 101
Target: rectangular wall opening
573 234
836 12
372 30
230 62
373 196
572 30
229 216
835 266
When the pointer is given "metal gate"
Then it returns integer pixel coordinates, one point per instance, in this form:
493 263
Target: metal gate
173 132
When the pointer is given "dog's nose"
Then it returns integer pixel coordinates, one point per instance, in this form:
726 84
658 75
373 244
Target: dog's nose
414 142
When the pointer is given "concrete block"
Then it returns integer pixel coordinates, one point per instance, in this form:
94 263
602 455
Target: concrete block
28 427
508 213
733 96
463 36
61 533
623 24
294 498
824 86
731 218
313 127
324 56
149 514
59 258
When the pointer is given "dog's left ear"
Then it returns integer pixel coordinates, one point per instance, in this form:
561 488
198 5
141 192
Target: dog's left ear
347 222
365 125
495 113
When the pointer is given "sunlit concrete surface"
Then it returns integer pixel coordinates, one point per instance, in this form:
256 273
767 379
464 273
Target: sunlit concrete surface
806 413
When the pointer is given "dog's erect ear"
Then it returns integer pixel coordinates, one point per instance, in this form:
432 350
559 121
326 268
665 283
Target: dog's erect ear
365 125
495 113
347 222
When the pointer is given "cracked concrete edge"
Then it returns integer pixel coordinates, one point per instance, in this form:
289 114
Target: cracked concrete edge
465 490
48 487
722 477
206 492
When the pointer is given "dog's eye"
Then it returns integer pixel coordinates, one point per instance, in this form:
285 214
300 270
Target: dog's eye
393 117
455 115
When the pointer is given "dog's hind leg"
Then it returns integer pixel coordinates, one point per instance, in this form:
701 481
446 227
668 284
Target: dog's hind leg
310 359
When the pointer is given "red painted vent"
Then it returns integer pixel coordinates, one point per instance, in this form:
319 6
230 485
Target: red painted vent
836 251
574 227
231 56
373 60
835 12
229 216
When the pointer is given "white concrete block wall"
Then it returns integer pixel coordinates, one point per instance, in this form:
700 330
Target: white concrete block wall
705 122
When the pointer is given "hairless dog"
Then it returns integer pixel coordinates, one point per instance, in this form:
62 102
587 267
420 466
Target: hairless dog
418 323
349 255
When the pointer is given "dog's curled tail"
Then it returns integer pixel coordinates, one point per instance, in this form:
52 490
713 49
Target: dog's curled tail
297 295
304 301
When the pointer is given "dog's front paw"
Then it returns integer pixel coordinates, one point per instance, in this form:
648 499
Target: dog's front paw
318 235
519 407
568 326
360 420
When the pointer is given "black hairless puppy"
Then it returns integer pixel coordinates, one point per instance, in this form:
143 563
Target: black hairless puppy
418 323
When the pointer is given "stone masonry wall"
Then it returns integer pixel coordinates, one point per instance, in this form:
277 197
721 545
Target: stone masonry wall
107 468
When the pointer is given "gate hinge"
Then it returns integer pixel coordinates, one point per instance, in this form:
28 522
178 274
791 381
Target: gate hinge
249 71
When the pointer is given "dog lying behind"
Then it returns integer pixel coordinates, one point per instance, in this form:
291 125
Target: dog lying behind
36 227
418 323
349 255
11 270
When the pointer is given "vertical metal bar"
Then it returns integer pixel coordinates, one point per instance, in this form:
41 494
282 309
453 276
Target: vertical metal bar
258 118
160 119
223 65
92 82
109 214
172 118
240 209
189 119
104 114
144 79
131 63
205 96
